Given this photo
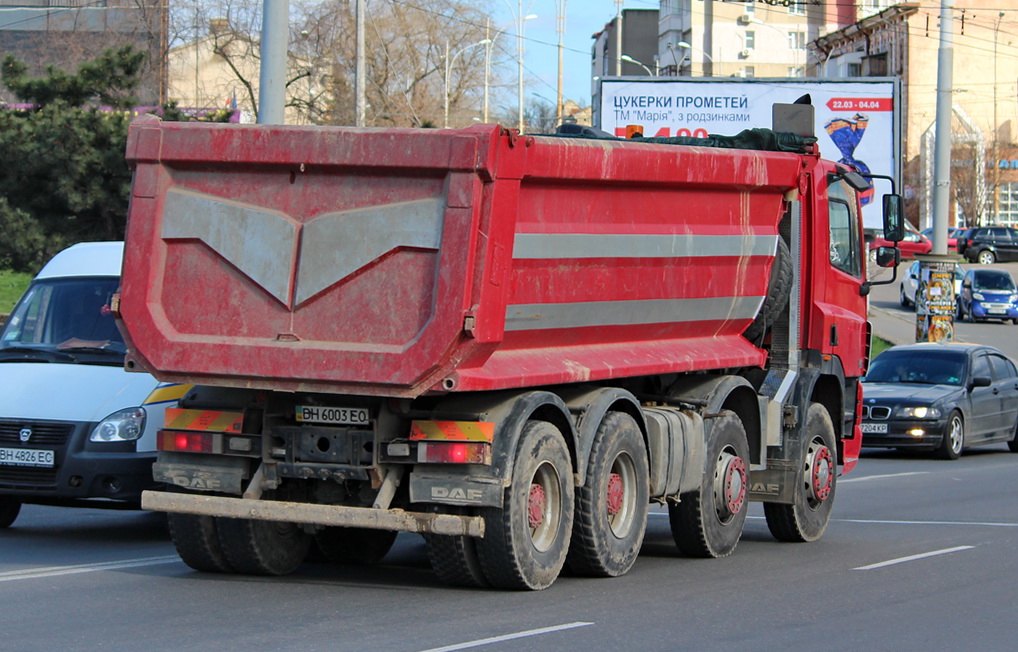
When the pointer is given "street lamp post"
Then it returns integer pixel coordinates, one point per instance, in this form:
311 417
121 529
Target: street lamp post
448 72
687 46
795 51
560 27
519 19
629 59
487 60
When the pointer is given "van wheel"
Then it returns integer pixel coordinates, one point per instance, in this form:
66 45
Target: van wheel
9 509
197 542
709 522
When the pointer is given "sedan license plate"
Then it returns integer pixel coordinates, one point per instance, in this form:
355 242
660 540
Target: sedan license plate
333 415
875 428
25 457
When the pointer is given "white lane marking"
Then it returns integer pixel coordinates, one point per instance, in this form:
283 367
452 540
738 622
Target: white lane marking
902 560
876 522
53 571
865 521
507 637
881 477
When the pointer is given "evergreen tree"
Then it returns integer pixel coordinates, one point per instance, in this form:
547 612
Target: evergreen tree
64 177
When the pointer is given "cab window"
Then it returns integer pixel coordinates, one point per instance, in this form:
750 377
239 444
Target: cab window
845 237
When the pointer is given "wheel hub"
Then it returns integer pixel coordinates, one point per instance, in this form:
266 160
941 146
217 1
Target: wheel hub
821 472
730 485
536 503
616 494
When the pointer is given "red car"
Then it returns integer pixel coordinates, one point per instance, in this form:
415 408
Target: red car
914 242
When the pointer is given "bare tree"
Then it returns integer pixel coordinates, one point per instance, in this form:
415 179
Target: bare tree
408 45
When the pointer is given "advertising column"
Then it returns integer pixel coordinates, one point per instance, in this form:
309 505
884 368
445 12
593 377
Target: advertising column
935 303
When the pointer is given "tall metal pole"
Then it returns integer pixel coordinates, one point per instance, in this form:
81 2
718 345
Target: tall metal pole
560 19
360 100
942 150
487 66
996 127
272 77
519 58
618 38
445 111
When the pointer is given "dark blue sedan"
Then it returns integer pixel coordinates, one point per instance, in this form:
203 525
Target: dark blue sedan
940 397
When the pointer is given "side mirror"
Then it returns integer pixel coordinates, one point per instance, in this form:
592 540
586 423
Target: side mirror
980 381
894 221
888 256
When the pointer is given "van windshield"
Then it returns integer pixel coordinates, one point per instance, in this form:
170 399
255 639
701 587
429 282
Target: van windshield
65 319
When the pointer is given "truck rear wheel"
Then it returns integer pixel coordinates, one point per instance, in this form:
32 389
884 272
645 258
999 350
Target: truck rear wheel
455 561
807 518
352 545
611 508
263 547
9 510
709 522
197 542
526 541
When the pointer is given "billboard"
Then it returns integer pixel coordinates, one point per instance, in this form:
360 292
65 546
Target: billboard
857 121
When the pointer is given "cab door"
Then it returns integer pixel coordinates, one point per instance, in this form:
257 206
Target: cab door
838 316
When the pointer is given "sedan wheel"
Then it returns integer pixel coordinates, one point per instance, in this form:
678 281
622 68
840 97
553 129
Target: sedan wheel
986 257
904 299
954 438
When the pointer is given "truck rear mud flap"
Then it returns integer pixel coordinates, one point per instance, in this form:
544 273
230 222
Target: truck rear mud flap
307 513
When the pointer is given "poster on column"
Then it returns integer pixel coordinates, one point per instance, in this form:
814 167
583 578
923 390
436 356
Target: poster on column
857 121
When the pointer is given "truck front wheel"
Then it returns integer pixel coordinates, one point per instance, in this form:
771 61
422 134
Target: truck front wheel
807 518
9 509
263 547
197 542
709 522
611 508
526 541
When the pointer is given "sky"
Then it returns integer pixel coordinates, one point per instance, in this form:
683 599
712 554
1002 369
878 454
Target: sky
540 59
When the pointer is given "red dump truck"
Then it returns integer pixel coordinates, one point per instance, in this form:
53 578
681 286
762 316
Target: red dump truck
511 345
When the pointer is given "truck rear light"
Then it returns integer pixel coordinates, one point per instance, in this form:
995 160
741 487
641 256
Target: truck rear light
454 452
189 442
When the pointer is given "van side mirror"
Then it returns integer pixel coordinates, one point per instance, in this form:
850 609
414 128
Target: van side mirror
888 256
894 221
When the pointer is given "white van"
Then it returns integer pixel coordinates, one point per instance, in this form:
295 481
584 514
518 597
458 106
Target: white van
75 428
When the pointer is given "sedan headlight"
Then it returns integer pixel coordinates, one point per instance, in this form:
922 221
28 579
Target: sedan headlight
978 296
1013 298
123 425
920 412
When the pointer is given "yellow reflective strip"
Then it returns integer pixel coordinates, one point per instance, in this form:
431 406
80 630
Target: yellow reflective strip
200 420
226 422
453 430
164 393
428 430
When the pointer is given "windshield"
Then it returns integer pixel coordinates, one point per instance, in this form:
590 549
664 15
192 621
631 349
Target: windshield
62 316
924 366
993 281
